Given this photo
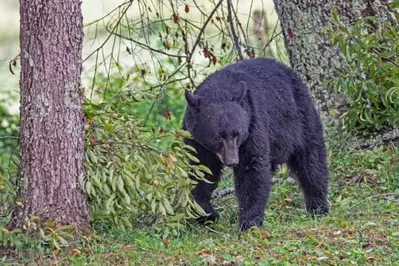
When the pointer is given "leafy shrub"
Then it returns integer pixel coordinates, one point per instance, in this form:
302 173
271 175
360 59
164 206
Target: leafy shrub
158 108
132 178
371 77
9 151
9 126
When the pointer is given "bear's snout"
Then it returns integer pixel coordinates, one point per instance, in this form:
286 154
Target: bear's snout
228 154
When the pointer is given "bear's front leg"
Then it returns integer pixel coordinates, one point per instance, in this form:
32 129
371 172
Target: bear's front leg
252 185
202 192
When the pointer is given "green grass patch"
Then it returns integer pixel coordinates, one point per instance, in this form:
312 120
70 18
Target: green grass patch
362 228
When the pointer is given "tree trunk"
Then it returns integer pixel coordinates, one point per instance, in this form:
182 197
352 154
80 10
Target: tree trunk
51 133
310 50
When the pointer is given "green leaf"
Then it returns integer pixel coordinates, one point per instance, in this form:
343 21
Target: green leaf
192 158
205 169
93 157
190 148
185 134
127 199
128 180
161 209
113 184
55 244
120 184
110 202
62 240
168 207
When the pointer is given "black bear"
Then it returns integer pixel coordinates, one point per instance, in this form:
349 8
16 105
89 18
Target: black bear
253 115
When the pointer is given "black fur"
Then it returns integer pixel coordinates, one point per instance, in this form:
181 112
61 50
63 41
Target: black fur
260 110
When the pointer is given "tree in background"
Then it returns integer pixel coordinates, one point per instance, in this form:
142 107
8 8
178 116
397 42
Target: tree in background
305 27
51 127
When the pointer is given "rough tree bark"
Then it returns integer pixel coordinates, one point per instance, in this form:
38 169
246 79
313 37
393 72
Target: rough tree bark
51 133
311 52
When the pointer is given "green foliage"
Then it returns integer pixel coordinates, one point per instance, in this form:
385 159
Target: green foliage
159 108
370 79
133 177
15 239
42 240
394 4
362 228
9 150
9 125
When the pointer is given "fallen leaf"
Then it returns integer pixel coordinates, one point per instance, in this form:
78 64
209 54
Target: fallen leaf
167 115
106 256
264 233
165 242
203 252
74 251
336 233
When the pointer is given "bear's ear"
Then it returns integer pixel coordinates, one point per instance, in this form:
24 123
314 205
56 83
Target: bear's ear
192 99
240 91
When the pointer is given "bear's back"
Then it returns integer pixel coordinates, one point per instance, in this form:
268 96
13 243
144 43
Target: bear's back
269 82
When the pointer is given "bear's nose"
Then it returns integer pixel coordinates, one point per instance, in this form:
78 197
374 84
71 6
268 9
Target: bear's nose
232 162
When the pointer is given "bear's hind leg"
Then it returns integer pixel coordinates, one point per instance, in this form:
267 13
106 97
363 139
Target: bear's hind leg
310 167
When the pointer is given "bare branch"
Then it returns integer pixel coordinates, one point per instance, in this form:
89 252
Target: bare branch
13 62
228 191
233 31
145 45
190 56
8 137
114 28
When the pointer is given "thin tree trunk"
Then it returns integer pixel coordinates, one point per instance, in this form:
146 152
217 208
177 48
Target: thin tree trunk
310 50
51 133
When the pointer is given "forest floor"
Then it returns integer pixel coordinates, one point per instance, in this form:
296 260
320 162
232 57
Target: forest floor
362 228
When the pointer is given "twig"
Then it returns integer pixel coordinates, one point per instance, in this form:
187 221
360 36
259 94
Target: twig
384 195
222 193
164 84
149 112
8 137
106 15
271 38
240 26
232 29
384 58
227 191
109 36
13 62
213 231
203 29
143 44
190 56
110 143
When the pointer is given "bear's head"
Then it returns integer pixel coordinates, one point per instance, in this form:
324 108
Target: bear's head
220 125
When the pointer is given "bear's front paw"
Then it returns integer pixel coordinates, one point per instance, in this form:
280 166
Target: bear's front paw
245 223
317 208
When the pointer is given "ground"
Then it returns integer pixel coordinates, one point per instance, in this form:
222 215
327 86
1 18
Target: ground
362 228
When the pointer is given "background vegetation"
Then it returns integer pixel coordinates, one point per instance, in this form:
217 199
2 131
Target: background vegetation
136 163
370 80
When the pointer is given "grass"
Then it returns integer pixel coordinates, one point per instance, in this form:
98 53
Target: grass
362 228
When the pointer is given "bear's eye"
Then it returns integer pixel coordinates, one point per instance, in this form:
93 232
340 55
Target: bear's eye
220 141
235 133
